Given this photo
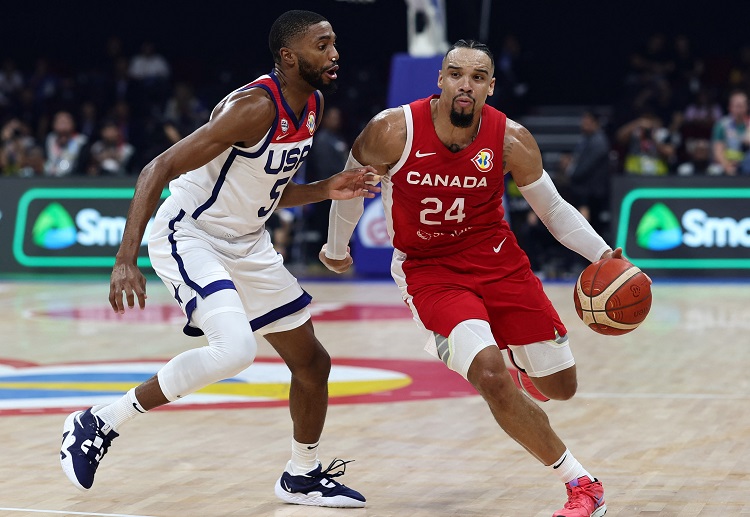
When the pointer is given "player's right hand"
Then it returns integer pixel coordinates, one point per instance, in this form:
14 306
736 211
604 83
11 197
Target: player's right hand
337 266
128 279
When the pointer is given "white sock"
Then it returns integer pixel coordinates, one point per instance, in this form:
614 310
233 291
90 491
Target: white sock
568 468
121 411
304 458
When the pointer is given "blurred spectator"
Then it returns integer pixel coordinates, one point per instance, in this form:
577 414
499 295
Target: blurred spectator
731 137
510 87
703 110
648 148
44 84
15 141
11 83
739 75
588 170
111 155
184 113
65 148
148 65
89 120
150 72
33 163
328 156
699 162
686 76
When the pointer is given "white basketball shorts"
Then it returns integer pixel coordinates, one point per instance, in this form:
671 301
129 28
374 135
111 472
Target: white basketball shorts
194 263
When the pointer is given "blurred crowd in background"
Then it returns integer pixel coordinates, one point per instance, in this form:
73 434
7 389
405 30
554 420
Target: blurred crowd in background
678 113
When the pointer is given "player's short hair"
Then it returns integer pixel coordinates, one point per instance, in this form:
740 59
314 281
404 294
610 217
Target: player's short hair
472 44
287 27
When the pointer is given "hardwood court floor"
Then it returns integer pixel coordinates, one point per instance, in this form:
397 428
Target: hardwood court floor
662 417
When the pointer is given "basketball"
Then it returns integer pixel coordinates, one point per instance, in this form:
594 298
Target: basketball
612 296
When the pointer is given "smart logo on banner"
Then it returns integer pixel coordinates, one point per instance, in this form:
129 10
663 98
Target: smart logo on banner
690 228
72 227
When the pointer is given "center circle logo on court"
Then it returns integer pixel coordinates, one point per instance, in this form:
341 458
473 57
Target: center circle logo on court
27 388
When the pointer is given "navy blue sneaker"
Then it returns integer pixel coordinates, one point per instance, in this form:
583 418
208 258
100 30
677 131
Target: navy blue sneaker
317 488
86 439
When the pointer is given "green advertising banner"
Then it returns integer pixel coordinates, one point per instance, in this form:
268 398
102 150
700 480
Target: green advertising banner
697 225
64 225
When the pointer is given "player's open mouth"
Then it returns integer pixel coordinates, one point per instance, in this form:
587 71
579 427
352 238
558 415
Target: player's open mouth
331 72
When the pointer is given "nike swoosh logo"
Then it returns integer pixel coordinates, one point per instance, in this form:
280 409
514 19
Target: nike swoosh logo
286 487
419 154
561 462
497 250
313 447
136 408
282 136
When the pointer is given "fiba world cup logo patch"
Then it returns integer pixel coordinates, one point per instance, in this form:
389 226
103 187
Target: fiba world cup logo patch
483 160
311 122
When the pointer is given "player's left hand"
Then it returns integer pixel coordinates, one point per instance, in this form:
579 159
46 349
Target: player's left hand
617 254
351 183
337 266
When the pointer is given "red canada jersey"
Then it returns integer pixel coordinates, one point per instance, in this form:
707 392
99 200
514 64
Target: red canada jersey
438 202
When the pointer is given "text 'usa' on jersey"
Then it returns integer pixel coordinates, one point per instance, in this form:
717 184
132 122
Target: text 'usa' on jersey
440 202
239 189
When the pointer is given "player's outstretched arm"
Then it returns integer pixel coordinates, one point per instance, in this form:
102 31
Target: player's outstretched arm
522 159
355 182
380 145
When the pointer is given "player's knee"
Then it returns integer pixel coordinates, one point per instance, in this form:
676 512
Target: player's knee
313 367
237 355
559 386
489 376
468 340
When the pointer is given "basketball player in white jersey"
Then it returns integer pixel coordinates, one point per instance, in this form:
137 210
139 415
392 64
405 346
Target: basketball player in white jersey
209 246
457 262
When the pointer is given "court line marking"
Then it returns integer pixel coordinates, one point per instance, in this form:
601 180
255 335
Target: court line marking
60 512
678 396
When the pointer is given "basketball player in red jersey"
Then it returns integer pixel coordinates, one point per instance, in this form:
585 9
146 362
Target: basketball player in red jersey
442 160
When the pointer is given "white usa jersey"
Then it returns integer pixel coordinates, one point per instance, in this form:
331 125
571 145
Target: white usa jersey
236 192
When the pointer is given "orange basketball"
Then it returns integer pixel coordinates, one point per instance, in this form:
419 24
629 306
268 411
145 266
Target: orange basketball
612 296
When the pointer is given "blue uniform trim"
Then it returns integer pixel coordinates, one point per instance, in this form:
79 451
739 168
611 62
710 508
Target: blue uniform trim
217 186
280 312
211 288
271 132
289 111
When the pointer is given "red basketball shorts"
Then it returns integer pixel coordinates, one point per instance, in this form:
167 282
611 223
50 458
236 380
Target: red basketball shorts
445 291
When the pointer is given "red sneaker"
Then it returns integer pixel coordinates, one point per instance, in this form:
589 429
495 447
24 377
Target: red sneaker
585 499
524 384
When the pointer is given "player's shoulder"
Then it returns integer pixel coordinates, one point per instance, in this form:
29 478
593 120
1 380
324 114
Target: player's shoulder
388 123
254 103
384 137
515 131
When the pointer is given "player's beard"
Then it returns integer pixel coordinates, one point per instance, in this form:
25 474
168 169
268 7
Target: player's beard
459 119
314 77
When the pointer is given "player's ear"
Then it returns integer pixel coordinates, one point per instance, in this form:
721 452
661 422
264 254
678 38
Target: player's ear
440 80
492 88
287 56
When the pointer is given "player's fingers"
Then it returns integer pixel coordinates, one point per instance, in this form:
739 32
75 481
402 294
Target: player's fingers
372 179
130 297
114 300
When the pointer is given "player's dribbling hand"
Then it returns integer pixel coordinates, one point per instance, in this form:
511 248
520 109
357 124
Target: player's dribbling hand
337 266
126 278
617 254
